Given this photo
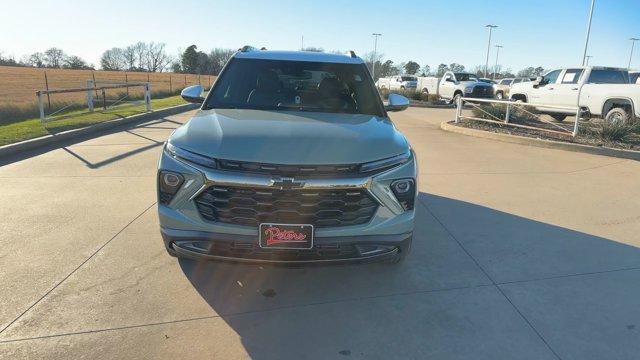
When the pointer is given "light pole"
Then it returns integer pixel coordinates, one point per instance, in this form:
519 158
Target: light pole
486 65
498 47
302 43
375 52
588 57
633 42
586 42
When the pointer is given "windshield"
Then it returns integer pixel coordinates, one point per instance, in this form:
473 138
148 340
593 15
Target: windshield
465 77
297 86
409 78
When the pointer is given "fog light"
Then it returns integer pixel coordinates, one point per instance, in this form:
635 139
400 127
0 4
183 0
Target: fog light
405 192
168 185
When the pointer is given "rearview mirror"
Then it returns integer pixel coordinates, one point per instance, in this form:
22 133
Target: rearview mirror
397 103
193 94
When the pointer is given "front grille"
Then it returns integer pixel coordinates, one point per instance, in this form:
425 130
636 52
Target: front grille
289 170
252 206
482 92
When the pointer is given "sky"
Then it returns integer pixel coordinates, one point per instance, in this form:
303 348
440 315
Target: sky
547 33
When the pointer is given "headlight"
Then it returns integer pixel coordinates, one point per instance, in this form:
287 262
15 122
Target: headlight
386 163
468 89
189 156
168 185
405 192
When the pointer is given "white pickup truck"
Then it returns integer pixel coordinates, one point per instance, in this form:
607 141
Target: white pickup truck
399 82
454 85
599 91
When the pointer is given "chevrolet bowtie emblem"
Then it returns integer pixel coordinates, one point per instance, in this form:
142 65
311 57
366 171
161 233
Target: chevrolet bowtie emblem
286 183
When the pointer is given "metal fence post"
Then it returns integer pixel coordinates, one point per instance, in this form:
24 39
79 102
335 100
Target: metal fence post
147 96
508 112
104 100
90 95
575 126
41 107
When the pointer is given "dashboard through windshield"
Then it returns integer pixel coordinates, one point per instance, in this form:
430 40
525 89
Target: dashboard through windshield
295 86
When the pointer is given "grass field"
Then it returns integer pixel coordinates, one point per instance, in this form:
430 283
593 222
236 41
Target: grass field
32 128
18 86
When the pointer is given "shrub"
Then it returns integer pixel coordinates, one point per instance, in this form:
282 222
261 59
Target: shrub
607 131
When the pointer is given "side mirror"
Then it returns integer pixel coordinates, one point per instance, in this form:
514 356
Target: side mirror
397 103
193 94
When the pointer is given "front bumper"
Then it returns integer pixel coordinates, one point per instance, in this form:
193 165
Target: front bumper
238 248
186 233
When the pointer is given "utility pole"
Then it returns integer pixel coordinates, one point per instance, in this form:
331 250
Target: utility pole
586 42
486 65
588 57
633 42
498 47
302 43
375 53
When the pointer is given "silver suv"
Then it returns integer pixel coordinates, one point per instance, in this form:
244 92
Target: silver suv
291 158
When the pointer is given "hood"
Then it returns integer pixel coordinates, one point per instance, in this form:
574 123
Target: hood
474 83
290 137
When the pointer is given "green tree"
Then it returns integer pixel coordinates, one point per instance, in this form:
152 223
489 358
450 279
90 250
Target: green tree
442 68
190 60
455 67
411 67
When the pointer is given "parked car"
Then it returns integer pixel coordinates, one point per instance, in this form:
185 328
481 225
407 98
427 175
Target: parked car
455 85
503 86
400 82
599 91
634 77
279 167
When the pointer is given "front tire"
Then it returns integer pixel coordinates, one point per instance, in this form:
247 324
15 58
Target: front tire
618 116
559 117
499 96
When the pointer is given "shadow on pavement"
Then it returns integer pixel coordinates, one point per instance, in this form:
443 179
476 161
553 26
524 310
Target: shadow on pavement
138 124
428 305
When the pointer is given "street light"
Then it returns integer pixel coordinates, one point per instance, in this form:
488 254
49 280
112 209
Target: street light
375 51
586 42
486 65
498 47
633 42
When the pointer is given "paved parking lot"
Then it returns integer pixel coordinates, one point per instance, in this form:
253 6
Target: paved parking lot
519 253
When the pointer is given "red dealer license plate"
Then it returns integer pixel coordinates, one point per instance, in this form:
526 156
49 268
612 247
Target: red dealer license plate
286 236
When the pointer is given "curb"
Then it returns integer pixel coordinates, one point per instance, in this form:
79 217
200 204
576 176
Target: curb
47 140
550 144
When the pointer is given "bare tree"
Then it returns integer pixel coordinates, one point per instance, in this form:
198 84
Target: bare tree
129 57
54 57
157 58
219 58
113 59
140 53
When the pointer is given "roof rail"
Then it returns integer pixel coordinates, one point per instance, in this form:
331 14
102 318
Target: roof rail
353 54
247 48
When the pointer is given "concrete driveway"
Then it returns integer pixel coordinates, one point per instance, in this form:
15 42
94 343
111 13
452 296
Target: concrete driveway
520 253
